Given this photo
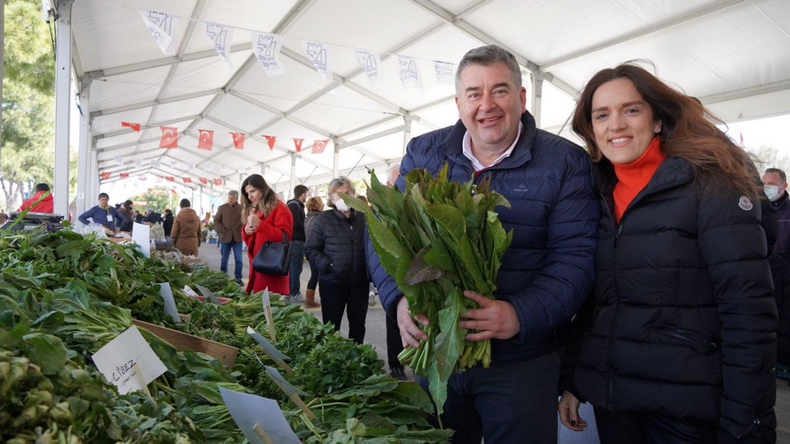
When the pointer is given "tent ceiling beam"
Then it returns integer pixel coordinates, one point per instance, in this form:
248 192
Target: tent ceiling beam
746 92
282 115
473 31
375 136
632 36
150 103
125 145
146 127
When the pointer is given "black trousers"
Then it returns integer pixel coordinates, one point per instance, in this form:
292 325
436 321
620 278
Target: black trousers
352 299
616 428
505 404
313 282
394 343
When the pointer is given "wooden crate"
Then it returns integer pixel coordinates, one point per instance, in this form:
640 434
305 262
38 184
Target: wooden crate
182 341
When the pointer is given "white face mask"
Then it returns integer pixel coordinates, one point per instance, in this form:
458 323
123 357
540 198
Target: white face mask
341 205
772 192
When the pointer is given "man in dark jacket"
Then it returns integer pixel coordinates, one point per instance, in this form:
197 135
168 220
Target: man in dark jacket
168 222
228 223
103 214
775 181
296 205
152 217
546 274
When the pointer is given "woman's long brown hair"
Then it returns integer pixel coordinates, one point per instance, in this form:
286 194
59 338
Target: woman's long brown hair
687 131
267 202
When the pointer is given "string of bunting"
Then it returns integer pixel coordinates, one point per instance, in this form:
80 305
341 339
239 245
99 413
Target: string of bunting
266 47
169 139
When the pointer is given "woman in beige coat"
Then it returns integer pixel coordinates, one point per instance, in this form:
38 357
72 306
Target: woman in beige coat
186 230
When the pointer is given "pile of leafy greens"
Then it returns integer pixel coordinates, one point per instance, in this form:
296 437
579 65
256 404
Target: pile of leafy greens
437 240
64 296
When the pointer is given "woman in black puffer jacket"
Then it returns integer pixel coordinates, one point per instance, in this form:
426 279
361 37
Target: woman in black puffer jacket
678 342
336 247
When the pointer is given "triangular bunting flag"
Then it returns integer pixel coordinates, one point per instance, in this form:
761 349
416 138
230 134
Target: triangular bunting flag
222 37
169 137
266 48
170 178
204 181
162 28
238 140
187 180
123 175
369 62
270 140
318 146
217 181
105 176
134 126
298 144
318 53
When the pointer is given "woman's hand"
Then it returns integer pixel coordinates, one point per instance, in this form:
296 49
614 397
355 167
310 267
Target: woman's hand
249 230
569 412
253 222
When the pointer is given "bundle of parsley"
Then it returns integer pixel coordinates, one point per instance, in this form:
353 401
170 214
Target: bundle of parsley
437 240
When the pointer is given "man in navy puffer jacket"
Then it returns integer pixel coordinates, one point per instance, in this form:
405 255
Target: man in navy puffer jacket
546 274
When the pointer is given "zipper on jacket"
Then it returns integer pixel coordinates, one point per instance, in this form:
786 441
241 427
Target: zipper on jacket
618 229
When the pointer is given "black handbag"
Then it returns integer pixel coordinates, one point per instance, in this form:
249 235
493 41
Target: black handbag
274 258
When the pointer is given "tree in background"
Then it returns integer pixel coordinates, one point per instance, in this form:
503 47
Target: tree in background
159 199
28 101
769 157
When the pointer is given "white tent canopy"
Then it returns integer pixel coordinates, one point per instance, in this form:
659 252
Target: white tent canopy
732 54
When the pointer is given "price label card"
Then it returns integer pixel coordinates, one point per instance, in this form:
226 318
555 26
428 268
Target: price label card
267 312
208 294
141 235
284 385
267 346
170 303
250 410
127 356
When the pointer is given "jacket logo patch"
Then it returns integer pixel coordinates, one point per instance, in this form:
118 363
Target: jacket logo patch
745 203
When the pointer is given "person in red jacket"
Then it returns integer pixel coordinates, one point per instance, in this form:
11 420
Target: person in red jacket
47 204
265 218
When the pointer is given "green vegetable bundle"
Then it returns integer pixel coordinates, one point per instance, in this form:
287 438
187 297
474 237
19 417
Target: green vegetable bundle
437 240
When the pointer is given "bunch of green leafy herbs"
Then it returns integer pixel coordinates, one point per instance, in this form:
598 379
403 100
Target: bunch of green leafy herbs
437 240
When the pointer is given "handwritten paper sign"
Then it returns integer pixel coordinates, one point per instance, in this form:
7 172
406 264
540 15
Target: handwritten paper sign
127 356
249 411
170 303
141 235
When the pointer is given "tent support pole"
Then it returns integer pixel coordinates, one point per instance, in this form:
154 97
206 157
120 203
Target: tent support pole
62 106
335 162
84 158
406 132
293 176
537 96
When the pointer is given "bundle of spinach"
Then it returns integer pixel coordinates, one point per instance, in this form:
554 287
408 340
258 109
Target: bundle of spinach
213 280
437 240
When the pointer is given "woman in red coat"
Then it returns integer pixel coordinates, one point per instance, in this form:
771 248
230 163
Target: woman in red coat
266 218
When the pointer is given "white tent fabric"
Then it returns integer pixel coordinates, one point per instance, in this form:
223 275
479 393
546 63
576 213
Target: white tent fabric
732 54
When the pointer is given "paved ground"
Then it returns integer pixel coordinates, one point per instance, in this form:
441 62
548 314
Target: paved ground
376 335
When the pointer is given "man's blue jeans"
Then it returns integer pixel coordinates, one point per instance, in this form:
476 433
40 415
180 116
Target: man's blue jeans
225 251
297 262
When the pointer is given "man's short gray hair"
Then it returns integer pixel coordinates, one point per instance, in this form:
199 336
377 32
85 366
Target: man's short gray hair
339 182
233 193
487 56
392 174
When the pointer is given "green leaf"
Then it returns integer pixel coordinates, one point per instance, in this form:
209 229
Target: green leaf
421 271
47 352
437 387
439 257
415 395
450 342
449 218
49 322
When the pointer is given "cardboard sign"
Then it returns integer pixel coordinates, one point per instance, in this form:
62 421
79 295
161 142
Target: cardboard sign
170 303
276 355
124 359
141 235
259 419
208 294
267 311
288 389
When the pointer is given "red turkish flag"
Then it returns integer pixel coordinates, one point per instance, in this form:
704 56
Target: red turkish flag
169 137
206 139
105 176
270 140
124 175
238 140
217 181
187 180
318 146
134 126
204 181
170 178
298 144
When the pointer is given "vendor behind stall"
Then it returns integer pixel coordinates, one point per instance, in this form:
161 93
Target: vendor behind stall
107 216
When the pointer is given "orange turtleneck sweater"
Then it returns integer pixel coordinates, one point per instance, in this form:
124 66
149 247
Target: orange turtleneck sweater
633 177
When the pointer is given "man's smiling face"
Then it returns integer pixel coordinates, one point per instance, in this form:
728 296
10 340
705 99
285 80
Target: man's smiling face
490 106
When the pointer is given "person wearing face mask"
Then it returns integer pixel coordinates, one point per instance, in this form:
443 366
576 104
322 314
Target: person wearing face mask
336 247
775 187
265 218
